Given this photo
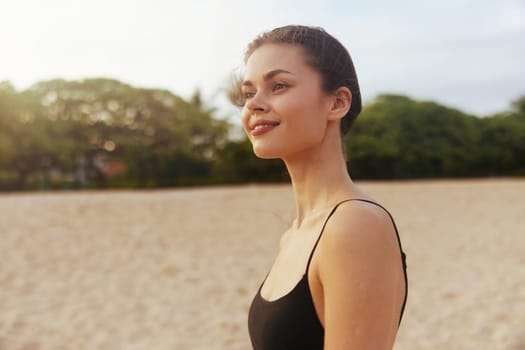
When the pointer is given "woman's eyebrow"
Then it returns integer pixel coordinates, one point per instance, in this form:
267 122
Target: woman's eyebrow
267 76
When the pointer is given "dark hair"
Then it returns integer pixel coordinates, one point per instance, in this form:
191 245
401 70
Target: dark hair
324 53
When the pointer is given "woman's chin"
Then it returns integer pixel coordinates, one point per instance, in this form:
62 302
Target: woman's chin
266 152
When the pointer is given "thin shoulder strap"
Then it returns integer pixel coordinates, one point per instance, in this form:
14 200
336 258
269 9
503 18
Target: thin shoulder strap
333 211
403 256
395 228
321 233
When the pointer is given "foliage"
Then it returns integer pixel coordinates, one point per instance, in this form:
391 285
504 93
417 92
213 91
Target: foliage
238 164
100 133
397 137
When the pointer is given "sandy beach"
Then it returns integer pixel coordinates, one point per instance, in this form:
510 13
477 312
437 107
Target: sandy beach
177 269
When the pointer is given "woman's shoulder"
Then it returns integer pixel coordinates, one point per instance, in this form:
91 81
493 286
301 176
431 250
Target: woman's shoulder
361 226
363 215
360 273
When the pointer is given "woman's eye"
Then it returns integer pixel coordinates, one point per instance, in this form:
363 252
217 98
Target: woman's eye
248 94
279 86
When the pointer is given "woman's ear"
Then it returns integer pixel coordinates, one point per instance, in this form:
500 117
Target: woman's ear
341 102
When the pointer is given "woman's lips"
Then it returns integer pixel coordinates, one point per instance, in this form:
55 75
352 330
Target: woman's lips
262 126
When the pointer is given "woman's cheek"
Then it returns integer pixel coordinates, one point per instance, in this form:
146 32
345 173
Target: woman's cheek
245 121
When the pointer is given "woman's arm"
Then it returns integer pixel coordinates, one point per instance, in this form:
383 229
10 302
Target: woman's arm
363 283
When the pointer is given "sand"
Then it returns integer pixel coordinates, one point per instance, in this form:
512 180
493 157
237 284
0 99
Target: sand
177 269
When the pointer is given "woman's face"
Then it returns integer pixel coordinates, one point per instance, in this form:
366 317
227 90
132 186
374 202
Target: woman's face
285 111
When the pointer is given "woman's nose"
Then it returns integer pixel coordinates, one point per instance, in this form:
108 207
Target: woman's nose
257 104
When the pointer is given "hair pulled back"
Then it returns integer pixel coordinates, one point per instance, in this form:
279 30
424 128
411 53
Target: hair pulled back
325 54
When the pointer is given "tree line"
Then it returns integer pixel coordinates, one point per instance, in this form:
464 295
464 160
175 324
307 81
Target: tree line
102 133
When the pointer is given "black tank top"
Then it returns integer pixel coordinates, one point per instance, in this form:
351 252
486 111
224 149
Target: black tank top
290 322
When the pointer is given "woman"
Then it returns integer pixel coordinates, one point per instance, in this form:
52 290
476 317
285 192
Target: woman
339 280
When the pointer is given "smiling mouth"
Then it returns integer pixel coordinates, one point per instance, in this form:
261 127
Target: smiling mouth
260 129
262 126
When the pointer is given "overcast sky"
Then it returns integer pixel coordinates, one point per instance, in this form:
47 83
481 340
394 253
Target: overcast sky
468 54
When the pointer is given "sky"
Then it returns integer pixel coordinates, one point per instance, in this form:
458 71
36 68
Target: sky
466 54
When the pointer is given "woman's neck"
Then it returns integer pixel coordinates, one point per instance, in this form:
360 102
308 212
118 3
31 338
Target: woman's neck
319 179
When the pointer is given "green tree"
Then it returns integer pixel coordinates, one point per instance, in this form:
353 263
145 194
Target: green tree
238 164
397 137
81 129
